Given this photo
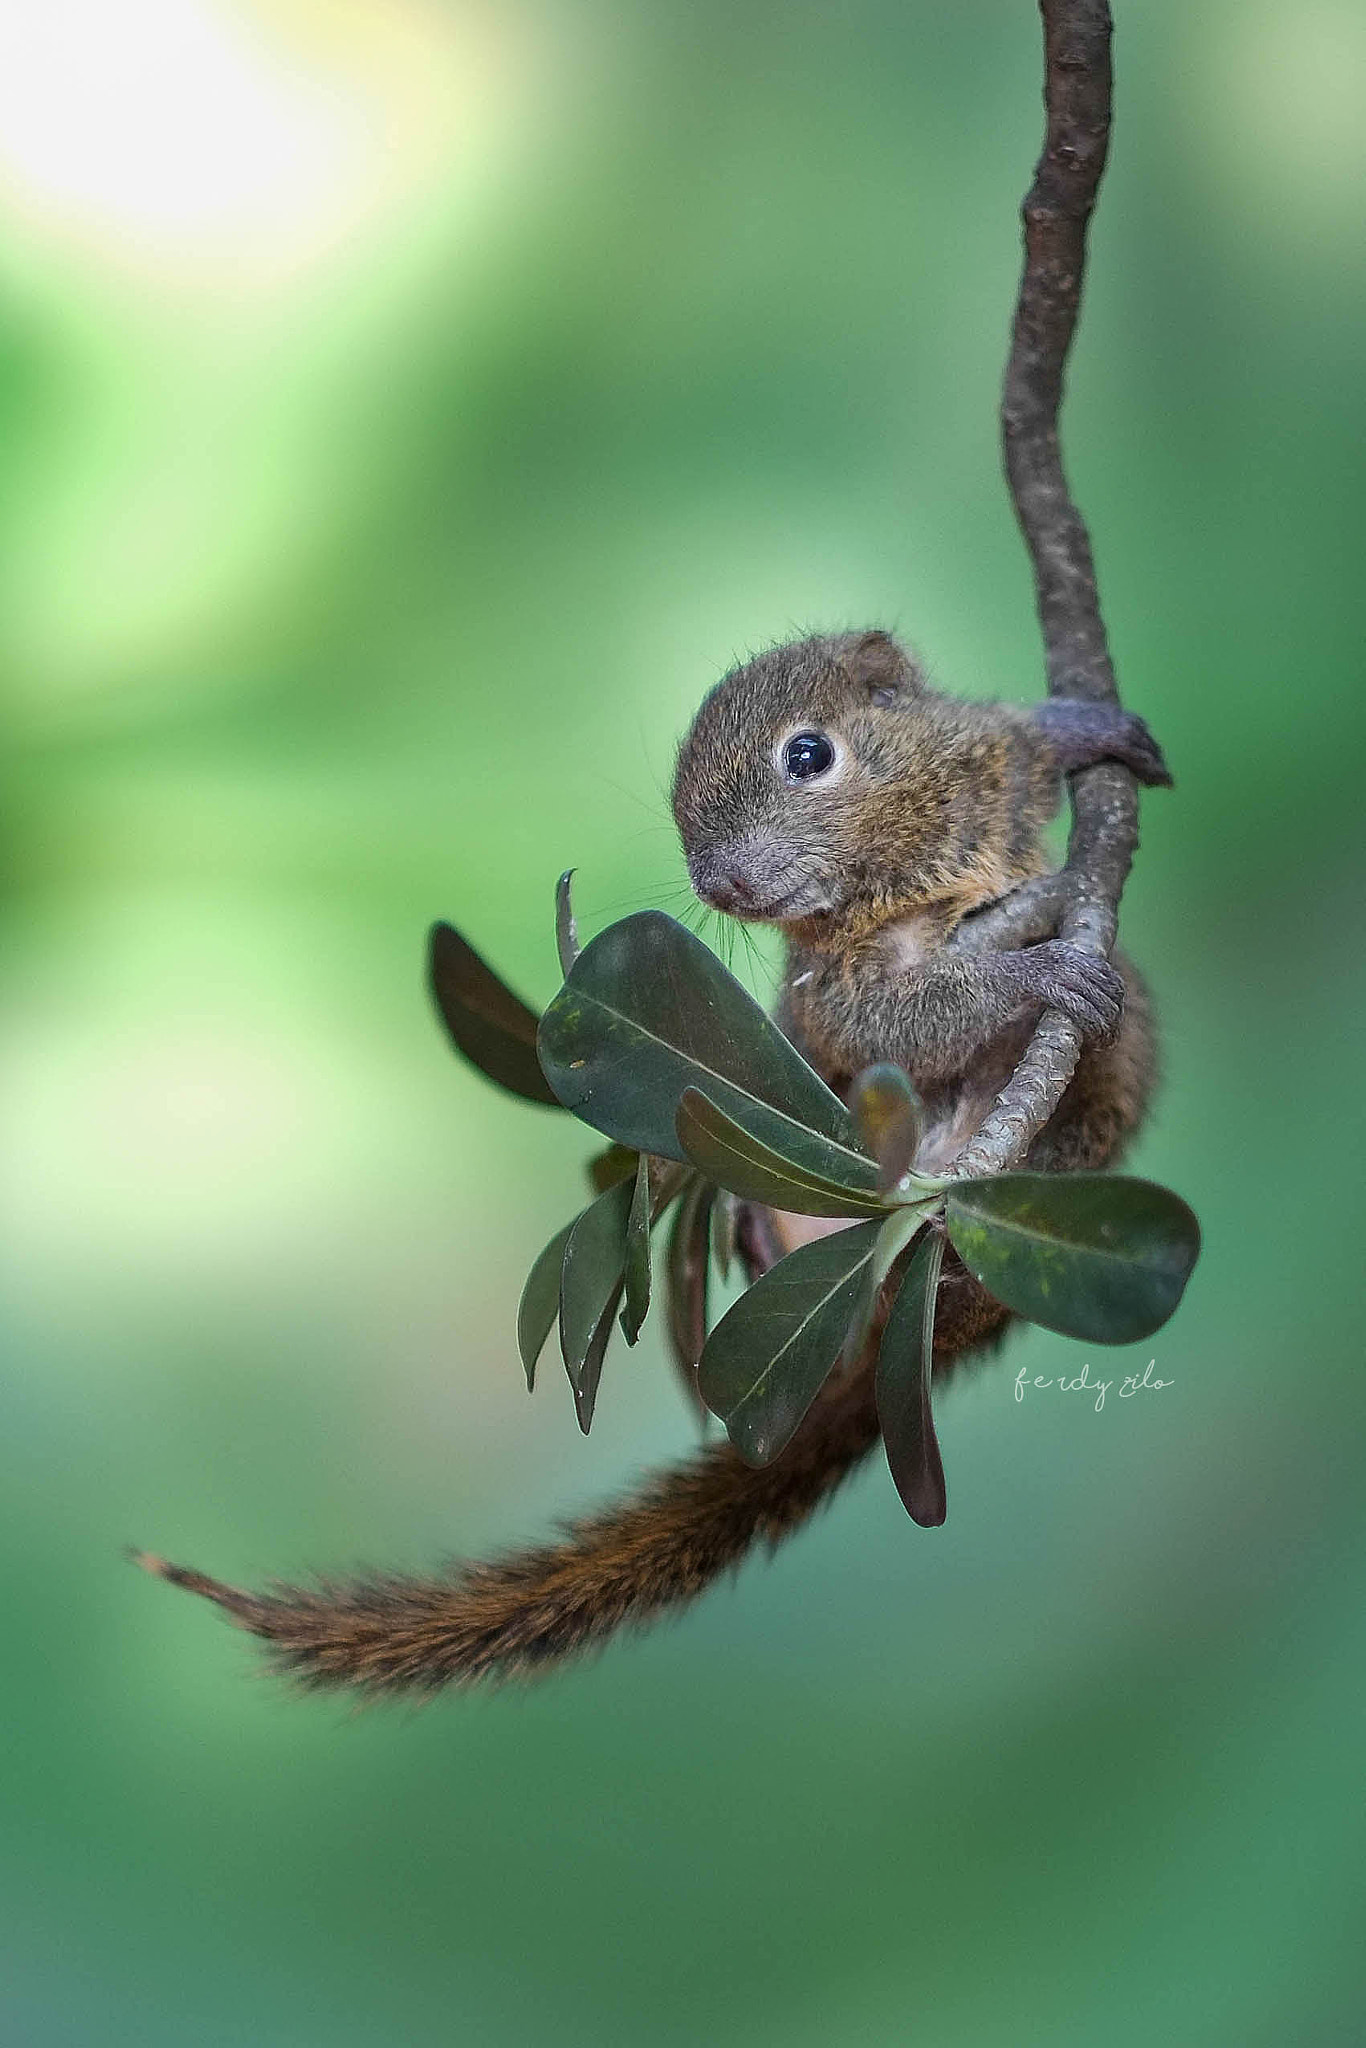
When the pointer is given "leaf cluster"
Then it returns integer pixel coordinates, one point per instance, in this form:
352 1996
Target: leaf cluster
653 1044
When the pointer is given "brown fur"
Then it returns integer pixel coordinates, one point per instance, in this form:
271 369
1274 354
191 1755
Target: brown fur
517 1616
937 810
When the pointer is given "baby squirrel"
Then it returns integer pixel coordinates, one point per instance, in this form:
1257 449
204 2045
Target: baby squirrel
824 788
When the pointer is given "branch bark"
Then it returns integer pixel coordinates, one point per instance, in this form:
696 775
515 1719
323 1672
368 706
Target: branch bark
1056 211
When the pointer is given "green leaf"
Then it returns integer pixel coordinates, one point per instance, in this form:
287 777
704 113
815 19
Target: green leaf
687 1272
903 1388
730 1151
764 1362
491 1026
606 1168
566 929
585 1400
539 1302
638 1253
590 1288
647 1011
890 1119
1094 1255
896 1233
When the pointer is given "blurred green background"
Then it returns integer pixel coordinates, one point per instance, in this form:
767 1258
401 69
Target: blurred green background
409 409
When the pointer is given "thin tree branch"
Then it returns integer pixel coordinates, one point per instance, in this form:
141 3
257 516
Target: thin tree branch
1104 833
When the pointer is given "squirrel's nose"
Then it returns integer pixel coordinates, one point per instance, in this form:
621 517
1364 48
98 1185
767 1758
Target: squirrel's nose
732 891
724 877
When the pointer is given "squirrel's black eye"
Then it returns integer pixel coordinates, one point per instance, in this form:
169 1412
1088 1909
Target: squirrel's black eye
807 754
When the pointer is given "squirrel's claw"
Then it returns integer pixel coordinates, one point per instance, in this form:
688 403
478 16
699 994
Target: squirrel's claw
1084 987
1141 754
1081 734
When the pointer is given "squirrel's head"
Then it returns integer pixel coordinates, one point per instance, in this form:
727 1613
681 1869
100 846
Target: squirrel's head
810 783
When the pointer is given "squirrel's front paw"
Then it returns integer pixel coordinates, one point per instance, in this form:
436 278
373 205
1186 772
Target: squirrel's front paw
1062 977
1080 734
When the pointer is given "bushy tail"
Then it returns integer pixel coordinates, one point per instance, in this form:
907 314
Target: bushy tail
512 1616
622 1567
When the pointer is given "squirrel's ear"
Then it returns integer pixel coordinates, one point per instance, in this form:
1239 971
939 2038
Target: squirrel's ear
879 666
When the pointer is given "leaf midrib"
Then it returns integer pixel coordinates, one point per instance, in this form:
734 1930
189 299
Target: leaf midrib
739 1088
849 1273
1031 1234
798 1177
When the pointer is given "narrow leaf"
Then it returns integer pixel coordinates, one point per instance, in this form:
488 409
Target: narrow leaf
590 1288
687 1272
638 1253
764 1362
646 1011
566 928
1094 1255
585 1400
890 1119
730 1151
540 1300
896 1233
491 1026
903 1388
